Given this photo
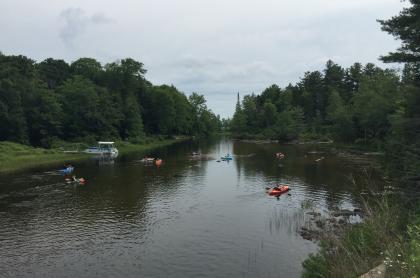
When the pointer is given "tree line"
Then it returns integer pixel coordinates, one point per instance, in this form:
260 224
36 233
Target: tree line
383 111
349 105
49 101
361 104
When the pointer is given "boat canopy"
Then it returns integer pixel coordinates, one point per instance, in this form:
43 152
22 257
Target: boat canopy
104 147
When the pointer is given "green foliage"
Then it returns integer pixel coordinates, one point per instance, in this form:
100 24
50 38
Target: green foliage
405 27
351 105
339 118
373 104
53 72
165 112
269 114
413 249
44 116
15 75
239 120
14 156
131 124
402 257
204 120
87 67
403 147
84 115
384 109
42 103
359 247
290 124
315 266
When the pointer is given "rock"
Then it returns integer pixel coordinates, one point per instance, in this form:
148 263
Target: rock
332 220
309 234
320 223
314 213
344 212
377 272
357 211
342 221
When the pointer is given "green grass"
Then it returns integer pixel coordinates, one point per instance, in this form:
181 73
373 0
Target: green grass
127 147
386 235
15 157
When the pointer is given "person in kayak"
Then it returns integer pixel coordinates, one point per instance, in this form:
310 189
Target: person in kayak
81 180
280 155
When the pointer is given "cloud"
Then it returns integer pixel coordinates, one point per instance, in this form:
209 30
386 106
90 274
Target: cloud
99 18
76 21
217 75
214 47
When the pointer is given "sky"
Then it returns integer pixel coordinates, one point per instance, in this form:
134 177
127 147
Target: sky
217 48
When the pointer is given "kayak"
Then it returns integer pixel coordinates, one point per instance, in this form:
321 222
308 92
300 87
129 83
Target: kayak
67 170
279 155
79 181
147 160
277 191
227 157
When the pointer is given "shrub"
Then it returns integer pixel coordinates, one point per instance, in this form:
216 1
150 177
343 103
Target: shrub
360 247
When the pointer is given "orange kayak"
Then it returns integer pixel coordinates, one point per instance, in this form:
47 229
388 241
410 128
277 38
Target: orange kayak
277 191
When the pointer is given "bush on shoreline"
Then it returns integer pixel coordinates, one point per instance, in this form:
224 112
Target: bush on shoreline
388 234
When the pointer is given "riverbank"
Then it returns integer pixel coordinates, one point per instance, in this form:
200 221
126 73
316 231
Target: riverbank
15 157
127 147
388 235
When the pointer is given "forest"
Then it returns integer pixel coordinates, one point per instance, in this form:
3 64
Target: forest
53 101
363 105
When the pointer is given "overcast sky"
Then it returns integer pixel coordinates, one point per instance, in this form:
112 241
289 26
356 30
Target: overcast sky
214 47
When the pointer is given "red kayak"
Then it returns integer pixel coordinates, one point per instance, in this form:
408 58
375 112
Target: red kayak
277 191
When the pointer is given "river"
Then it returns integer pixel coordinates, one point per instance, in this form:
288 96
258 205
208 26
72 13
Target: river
187 218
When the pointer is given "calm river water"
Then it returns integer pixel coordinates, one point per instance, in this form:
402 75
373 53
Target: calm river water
188 218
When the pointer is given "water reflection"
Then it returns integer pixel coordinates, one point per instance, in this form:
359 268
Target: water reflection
105 159
287 220
332 175
197 217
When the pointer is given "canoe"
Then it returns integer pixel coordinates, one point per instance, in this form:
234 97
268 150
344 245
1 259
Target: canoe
277 191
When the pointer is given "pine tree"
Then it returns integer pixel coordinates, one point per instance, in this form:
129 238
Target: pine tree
238 121
405 27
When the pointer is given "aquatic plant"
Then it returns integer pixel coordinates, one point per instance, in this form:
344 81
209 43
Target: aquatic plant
382 238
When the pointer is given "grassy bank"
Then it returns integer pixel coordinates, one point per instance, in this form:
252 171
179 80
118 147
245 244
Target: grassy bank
389 235
126 147
15 157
